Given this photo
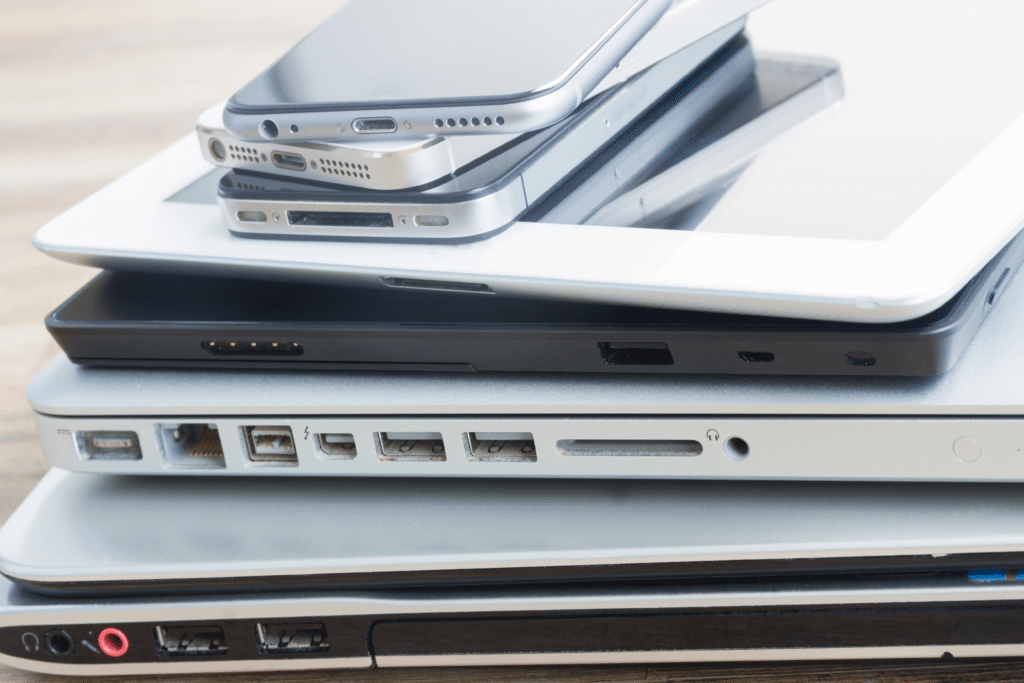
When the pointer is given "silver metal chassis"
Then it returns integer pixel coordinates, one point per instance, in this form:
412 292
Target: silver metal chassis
539 110
419 163
464 219
35 613
823 447
965 425
487 213
254 530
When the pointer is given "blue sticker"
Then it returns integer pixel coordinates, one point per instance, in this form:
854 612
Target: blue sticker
1020 575
987 575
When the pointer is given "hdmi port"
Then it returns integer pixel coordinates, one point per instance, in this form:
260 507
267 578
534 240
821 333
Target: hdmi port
288 161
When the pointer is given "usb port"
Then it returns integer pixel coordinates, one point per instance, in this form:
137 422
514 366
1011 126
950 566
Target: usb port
190 641
424 446
288 161
287 639
108 445
271 445
501 447
336 446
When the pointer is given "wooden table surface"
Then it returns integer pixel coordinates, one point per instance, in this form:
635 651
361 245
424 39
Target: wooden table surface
89 89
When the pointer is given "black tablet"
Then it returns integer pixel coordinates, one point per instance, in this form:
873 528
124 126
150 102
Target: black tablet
151 319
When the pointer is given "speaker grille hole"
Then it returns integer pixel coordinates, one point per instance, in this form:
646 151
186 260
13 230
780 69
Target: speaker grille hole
239 153
344 168
463 122
860 358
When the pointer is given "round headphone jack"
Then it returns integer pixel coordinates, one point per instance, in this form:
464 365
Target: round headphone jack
113 642
59 643
217 150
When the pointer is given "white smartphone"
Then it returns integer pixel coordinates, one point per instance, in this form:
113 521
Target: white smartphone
415 68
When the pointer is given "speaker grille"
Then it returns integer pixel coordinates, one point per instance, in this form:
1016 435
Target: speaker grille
345 169
473 122
244 154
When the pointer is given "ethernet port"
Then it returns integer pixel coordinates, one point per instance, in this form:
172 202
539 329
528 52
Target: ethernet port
411 446
288 639
190 446
336 446
190 641
271 445
108 445
501 447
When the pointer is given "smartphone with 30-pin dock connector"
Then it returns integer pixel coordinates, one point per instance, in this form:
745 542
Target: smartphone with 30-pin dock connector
488 194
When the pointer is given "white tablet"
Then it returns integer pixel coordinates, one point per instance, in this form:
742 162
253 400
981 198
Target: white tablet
878 211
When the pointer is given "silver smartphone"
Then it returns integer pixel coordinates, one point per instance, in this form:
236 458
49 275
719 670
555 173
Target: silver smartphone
417 68
393 164
390 164
488 194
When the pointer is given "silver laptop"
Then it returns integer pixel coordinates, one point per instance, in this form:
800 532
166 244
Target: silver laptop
78 535
229 574
962 426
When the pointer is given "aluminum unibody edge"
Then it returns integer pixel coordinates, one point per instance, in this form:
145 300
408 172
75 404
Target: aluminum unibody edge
964 425
511 112
412 532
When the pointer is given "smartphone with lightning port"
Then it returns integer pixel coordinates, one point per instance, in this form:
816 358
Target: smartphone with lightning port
488 194
416 68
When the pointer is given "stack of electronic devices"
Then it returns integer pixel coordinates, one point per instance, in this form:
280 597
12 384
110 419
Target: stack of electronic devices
525 332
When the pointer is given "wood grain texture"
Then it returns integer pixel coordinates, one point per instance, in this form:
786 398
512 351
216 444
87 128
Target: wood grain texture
92 88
